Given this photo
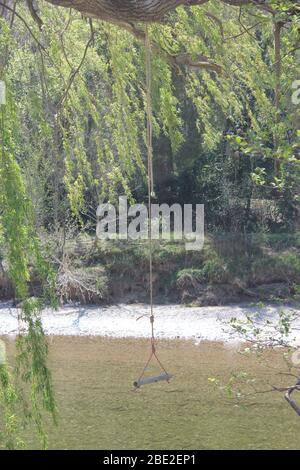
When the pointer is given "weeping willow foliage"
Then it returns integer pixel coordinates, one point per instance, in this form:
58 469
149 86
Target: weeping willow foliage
75 133
9 400
23 248
81 101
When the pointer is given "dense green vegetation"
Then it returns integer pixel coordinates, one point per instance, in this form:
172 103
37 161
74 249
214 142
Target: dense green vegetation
229 139
231 268
73 133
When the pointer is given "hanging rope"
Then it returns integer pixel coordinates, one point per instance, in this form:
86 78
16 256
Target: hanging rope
150 171
151 195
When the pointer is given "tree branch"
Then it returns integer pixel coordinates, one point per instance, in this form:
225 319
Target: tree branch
290 401
75 72
185 59
34 13
128 11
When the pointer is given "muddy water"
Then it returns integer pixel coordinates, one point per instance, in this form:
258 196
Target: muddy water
98 411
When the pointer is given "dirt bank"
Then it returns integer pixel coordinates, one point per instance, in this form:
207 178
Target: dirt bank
231 268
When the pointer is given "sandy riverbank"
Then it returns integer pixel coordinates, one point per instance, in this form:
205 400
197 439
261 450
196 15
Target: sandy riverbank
172 321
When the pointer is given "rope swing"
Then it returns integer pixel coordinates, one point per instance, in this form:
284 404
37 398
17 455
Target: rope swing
164 376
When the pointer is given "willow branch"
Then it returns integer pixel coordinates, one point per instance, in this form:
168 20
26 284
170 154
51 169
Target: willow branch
34 14
76 71
20 17
184 59
217 21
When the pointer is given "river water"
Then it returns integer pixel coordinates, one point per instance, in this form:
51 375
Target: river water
98 410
